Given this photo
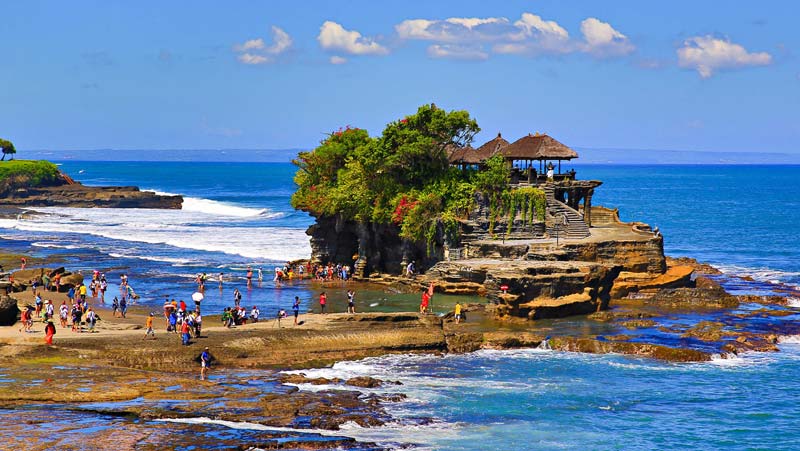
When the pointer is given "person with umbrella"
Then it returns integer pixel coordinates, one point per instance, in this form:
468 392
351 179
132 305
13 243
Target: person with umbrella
197 297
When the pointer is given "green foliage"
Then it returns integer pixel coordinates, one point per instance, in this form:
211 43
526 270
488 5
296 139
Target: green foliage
528 201
403 177
7 147
28 173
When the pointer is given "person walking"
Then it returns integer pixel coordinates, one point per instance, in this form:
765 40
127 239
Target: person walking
457 312
49 331
323 300
205 363
351 302
149 333
185 332
296 308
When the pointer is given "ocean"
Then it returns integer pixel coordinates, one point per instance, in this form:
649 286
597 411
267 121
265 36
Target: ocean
738 218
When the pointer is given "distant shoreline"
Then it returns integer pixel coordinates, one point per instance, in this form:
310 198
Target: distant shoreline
588 156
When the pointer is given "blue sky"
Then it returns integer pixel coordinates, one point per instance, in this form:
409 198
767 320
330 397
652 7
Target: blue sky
718 76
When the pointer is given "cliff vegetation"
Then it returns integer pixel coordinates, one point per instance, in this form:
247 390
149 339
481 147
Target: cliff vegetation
403 178
28 173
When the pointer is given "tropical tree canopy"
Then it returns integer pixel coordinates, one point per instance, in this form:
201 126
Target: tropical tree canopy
7 147
402 176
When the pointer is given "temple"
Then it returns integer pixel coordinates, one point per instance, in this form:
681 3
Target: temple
536 160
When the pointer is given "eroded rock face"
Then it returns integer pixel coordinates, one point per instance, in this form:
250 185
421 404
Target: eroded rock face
645 255
90 196
9 312
695 297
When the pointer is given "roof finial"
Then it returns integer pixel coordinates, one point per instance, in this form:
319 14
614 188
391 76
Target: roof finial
499 135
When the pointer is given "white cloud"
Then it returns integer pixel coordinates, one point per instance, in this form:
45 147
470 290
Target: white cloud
333 36
253 44
531 35
532 25
457 52
707 54
255 51
602 40
249 58
454 29
338 60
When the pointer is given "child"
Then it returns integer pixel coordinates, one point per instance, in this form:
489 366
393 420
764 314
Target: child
149 325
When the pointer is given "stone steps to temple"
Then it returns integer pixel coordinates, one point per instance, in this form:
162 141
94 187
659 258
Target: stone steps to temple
575 227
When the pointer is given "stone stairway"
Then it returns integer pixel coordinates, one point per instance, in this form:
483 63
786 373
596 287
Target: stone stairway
575 228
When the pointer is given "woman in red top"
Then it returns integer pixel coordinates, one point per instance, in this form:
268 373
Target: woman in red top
323 299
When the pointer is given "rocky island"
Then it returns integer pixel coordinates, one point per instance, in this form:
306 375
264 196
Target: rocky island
418 208
25 183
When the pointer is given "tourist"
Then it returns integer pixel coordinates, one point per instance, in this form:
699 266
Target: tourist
63 314
49 309
82 292
205 362
91 319
198 323
323 299
49 331
38 303
410 269
103 288
172 321
123 306
249 277
71 295
457 312
114 306
351 303
76 318
237 297
260 275
25 320
23 261
182 307
185 333
254 314
550 172
149 325
426 299
220 281
296 308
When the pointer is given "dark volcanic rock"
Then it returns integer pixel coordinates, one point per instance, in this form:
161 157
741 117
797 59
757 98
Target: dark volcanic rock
715 297
9 312
90 196
364 382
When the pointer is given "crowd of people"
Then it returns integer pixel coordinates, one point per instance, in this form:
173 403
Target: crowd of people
179 319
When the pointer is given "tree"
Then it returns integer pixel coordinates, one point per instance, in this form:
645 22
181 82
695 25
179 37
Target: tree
8 148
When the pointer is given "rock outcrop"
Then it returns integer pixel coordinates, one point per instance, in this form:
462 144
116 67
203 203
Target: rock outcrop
77 195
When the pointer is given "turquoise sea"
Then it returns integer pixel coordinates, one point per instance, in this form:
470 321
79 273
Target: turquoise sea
741 219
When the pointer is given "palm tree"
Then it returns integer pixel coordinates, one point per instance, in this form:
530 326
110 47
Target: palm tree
8 149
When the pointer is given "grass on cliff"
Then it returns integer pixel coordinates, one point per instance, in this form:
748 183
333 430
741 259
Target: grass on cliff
29 172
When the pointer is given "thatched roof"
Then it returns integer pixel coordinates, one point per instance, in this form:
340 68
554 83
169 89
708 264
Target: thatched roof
538 147
468 155
462 155
492 147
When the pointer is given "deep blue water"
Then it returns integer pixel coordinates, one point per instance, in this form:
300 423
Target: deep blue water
740 218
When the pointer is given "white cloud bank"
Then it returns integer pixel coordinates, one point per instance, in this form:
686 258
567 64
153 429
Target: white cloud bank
476 38
256 51
335 38
707 54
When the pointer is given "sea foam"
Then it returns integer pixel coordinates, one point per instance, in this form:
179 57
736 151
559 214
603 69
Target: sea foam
183 229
